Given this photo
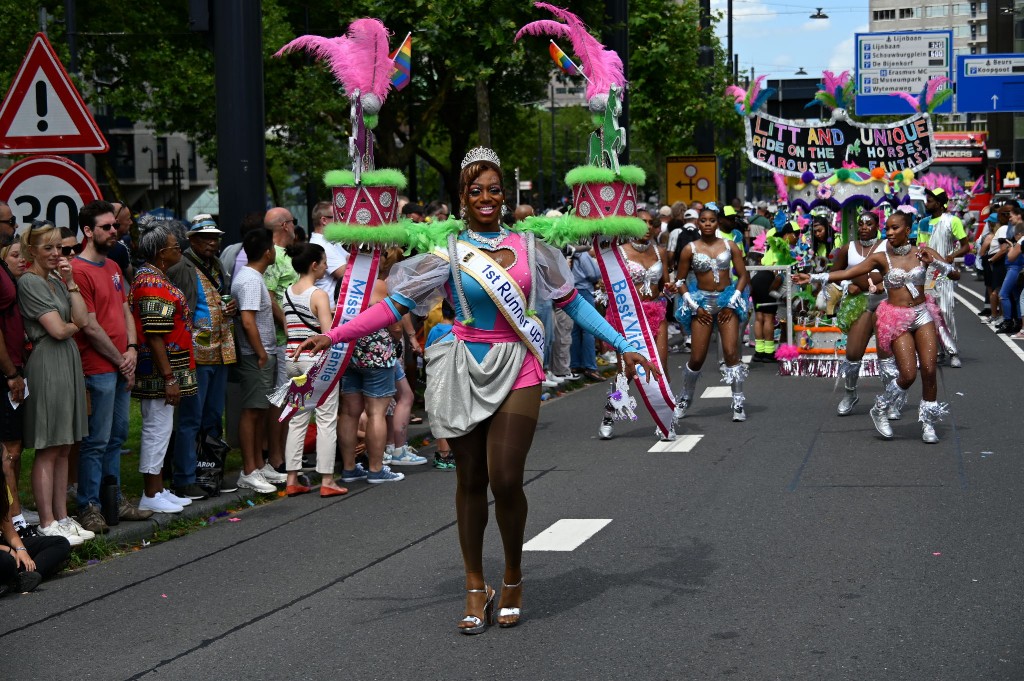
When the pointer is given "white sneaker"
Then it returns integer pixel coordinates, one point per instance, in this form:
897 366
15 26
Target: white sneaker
568 377
73 527
549 384
406 456
272 476
551 377
256 482
607 427
55 529
174 498
159 504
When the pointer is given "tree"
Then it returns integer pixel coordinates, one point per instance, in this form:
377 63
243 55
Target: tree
667 87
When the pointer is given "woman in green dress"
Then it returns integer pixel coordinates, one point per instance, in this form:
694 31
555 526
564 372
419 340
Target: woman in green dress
55 410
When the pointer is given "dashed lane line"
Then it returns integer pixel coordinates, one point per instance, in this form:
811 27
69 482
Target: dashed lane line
716 392
682 444
566 535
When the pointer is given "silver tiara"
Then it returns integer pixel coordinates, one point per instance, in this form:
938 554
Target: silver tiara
481 154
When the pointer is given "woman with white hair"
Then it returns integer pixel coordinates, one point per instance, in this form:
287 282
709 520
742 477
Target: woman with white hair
166 369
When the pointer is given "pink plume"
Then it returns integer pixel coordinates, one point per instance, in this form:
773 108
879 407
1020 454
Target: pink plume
978 186
849 164
780 185
359 60
909 99
830 81
934 85
787 352
755 87
739 93
760 241
601 66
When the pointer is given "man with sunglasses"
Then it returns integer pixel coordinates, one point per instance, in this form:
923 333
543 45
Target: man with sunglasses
109 348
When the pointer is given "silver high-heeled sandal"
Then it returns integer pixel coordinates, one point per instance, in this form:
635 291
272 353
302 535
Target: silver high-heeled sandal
510 612
478 624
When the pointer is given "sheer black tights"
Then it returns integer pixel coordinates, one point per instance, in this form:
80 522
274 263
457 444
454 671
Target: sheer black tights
494 454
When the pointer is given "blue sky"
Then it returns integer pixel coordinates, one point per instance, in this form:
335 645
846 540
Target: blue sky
777 38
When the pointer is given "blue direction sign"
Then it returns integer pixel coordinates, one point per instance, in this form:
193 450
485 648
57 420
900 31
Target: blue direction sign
990 83
888 63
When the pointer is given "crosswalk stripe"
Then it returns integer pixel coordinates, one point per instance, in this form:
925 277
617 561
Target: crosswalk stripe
717 391
682 444
566 535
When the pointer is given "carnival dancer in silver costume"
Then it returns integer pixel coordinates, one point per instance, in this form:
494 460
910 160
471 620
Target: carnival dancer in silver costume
717 300
856 313
907 322
945 234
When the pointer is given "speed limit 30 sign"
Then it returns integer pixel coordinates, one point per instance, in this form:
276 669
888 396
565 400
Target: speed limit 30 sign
48 188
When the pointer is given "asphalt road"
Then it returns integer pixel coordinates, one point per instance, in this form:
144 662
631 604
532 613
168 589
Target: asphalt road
797 545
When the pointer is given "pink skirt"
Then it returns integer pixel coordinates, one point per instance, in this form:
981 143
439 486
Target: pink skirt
655 311
894 321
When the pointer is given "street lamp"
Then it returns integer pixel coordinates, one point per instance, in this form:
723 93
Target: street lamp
819 14
800 72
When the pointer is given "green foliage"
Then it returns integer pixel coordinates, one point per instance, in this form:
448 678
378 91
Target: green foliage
670 95
139 61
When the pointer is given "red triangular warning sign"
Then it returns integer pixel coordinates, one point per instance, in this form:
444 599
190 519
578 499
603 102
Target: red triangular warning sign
43 112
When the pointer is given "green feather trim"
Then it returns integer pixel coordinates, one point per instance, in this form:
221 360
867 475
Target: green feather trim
385 177
426 236
395 234
940 96
569 229
592 174
370 121
531 313
780 247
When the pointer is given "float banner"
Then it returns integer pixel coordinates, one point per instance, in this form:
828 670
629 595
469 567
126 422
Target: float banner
823 147
323 376
626 315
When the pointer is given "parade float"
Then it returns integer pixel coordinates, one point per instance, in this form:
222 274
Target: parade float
839 167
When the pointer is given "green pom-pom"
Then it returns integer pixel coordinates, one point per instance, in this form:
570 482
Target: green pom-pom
531 313
370 121
468 321
843 174
385 177
591 174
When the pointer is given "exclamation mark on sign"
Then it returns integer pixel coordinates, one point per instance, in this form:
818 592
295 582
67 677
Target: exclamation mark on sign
42 125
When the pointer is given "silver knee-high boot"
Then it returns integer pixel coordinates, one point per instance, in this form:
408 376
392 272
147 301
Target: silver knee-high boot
851 372
685 397
734 377
930 413
883 402
888 372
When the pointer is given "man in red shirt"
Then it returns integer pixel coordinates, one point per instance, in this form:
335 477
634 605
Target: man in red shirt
109 349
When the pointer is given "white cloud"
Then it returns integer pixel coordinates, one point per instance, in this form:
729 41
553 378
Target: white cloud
813 25
744 11
843 57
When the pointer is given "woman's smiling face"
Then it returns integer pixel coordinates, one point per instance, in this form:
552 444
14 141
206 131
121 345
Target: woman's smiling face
484 198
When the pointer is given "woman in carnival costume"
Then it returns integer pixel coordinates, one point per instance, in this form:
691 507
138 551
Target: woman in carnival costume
484 379
717 300
907 321
856 313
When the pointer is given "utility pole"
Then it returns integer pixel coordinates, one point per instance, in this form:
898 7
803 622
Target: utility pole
241 152
705 133
617 38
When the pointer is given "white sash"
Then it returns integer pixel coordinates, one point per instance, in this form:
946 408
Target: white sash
627 315
503 291
322 377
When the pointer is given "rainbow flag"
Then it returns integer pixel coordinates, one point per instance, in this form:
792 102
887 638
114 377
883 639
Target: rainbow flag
562 59
400 76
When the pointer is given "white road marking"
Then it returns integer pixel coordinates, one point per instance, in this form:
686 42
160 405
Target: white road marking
717 391
682 444
1014 348
972 292
566 535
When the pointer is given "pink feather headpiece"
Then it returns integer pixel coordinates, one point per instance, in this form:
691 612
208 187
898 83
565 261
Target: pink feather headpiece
780 185
359 60
601 66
